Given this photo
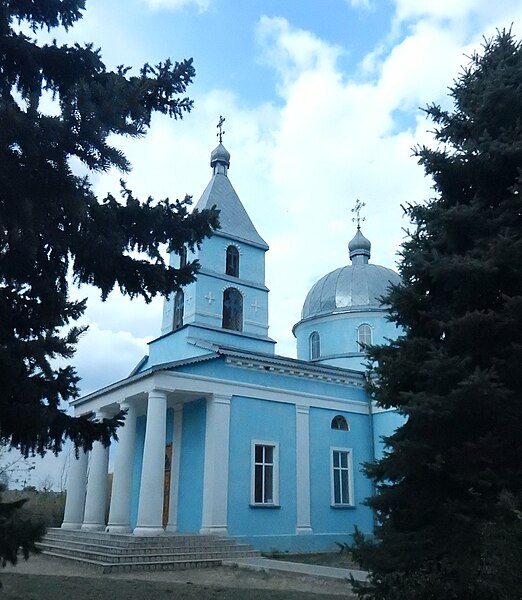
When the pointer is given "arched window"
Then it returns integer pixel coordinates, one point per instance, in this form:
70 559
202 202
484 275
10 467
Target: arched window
183 257
232 309
315 346
179 301
232 266
364 337
339 422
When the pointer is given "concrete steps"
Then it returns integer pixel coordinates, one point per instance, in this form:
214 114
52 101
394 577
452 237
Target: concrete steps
110 553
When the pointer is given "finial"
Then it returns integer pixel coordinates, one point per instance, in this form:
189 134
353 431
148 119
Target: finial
220 127
357 210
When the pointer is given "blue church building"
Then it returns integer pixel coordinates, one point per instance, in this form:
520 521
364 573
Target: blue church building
225 437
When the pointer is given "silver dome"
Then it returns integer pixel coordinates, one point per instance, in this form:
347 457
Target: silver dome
355 287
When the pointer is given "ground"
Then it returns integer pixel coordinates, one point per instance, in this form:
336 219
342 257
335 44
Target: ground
42 578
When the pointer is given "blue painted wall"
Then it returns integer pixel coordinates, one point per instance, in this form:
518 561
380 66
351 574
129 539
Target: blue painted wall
212 255
192 462
338 334
278 381
203 303
326 519
252 419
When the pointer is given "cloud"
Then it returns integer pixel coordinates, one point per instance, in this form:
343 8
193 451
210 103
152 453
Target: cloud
474 12
291 51
201 5
339 138
364 4
300 161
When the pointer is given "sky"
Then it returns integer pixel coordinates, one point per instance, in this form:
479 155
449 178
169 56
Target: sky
323 103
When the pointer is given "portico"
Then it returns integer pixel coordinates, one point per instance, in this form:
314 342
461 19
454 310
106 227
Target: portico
87 494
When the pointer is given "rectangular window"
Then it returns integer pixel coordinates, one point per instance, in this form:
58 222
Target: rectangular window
264 473
342 486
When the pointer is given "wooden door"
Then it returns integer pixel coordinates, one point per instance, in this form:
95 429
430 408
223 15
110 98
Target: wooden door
166 488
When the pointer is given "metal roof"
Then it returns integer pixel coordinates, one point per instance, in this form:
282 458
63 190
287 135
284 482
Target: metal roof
233 218
351 288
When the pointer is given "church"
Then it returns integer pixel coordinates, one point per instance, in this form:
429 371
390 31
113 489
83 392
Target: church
223 436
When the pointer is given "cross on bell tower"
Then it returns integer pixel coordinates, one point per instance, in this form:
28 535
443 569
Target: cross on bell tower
221 133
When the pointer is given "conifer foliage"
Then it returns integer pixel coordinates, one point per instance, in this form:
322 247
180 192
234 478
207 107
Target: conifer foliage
58 106
449 487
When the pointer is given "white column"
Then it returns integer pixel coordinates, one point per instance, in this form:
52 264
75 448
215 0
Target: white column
75 498
303 525
175 468
215 478
96 497
119 512
150 508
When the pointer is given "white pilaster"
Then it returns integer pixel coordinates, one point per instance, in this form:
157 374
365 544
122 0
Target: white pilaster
119 512
96 496
303 525
75 498
215 478
150 508
175 468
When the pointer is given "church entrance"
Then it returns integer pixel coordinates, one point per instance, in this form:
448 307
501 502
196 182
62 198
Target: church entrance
166 484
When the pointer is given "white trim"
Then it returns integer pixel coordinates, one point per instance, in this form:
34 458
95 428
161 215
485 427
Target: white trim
302 436
260 324
232 243
349 451
205 313
275 472
376 409
235 287
189 382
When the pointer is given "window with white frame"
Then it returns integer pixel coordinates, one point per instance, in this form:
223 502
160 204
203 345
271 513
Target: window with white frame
179 302
315 345
232 310
232 261
364 337
183 257
265 473
340 422
342 477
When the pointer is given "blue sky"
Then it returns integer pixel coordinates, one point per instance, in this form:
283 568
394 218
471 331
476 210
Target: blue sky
321 99
322 104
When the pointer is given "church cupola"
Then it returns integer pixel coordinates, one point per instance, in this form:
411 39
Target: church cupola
220 160
343 312
359 248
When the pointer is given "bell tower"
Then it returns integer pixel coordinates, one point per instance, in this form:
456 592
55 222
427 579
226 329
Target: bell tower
227 305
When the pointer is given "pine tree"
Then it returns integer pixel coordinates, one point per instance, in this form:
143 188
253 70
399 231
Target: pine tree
449 487
54 230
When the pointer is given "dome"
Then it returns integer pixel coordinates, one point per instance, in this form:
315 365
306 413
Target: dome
356 287
220 154
350 288
359 245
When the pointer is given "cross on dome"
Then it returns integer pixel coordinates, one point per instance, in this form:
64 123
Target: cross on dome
357 210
